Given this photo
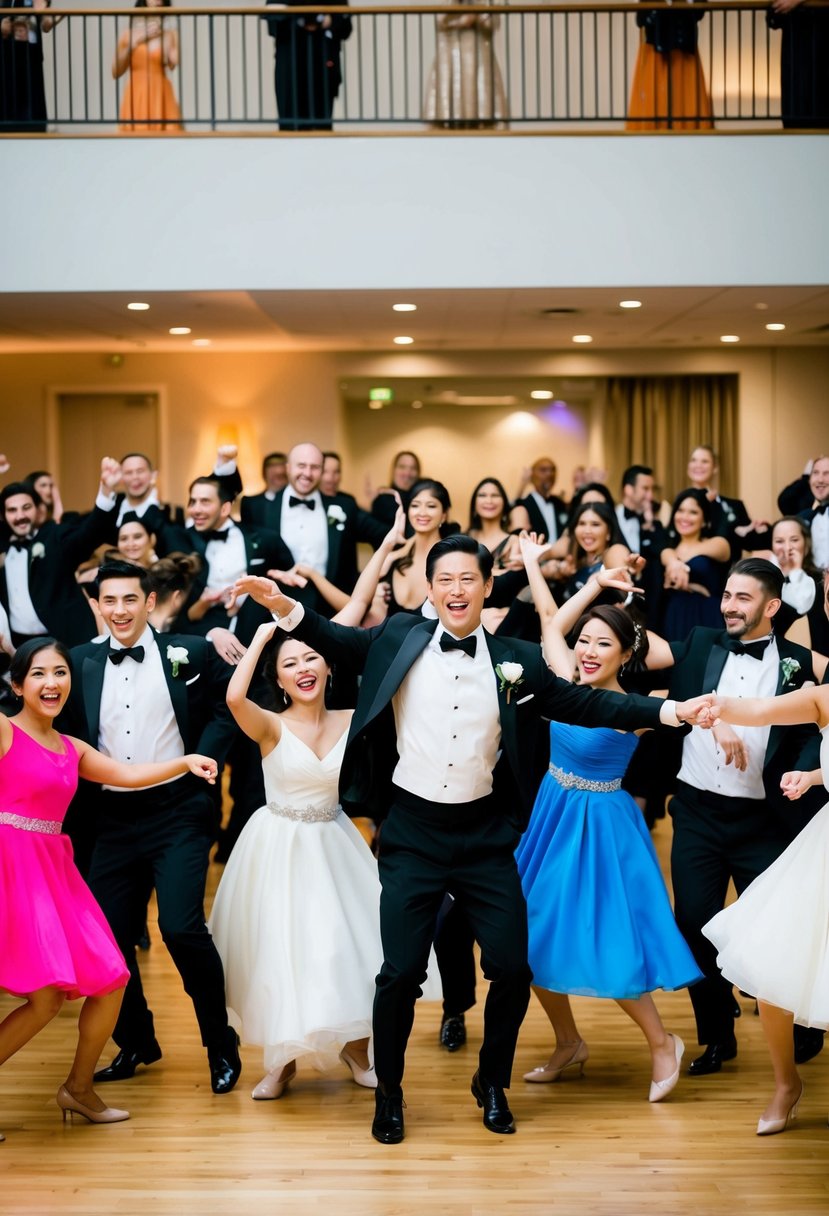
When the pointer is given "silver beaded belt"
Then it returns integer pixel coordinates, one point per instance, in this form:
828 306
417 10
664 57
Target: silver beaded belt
30 825
311 814
572 781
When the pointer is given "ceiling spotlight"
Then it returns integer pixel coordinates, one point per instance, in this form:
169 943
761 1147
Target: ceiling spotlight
775 326
403 341
583 338
417 405
630 303
137 306
762 307
180 329
201 341
404 307
375 405
729 338
541 394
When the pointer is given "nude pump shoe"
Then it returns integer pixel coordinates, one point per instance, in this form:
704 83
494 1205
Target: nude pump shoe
71 1106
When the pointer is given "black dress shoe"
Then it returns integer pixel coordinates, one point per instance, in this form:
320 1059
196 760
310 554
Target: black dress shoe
387 1126
808 1042
713 1058
453 1032
497 1114
225 1064
125 1063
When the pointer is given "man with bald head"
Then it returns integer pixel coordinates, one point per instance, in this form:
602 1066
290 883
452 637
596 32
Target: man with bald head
320 531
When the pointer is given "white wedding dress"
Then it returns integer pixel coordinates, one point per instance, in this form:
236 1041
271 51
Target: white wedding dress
296 917
774 941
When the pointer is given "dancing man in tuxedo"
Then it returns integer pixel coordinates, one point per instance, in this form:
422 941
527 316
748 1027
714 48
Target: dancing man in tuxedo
138 698
730 819
445 747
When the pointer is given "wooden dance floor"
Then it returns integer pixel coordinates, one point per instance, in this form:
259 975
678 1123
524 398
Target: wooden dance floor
589 1145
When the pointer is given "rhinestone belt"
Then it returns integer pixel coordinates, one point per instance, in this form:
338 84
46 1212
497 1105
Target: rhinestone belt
30 825
310 814
572 781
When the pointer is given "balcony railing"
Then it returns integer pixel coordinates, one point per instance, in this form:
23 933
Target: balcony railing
609 67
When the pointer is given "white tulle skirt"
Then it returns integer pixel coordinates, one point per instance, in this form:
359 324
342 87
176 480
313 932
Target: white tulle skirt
774 941
296 922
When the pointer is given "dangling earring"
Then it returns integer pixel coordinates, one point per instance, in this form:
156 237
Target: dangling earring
285 700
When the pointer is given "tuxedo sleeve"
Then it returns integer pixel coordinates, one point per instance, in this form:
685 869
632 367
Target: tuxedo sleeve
580 706
220 729
369 529
338 643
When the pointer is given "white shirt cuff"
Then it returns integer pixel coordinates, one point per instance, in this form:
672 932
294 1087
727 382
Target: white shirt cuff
105 502
290 622
667 714
224 468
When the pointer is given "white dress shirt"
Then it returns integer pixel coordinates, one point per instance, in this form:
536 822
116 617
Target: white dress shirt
305 532
631 529
703 763
22 615
140 509
227 560
820 541
548 510
137 723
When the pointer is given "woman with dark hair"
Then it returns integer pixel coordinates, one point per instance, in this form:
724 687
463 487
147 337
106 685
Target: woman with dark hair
594 541
489 515
172 577
44 483
405 575
55 944
600 920
296 916
147 51
791 550
696 564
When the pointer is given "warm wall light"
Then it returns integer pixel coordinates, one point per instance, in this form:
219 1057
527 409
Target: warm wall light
201 341
227 434
180 329
403 341
729 338
541 394
775 326
584 338
137 306
630 303
404 307
417 405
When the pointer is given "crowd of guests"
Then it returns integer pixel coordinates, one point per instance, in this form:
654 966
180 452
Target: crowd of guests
149 646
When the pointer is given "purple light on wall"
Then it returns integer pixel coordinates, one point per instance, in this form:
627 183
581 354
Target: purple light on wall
558 414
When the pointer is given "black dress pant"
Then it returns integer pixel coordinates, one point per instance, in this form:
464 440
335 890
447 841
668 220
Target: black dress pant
160 838
715 838
306 79
427 849
455 954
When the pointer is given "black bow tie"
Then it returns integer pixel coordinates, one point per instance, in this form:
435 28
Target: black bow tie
467 645
754 650
310 503
214 534
20 542
631 514
821 510
127 652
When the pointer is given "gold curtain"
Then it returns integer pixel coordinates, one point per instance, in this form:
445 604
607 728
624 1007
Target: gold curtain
659 420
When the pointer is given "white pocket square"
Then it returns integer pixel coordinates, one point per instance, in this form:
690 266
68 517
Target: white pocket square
257 561
524 700
192 680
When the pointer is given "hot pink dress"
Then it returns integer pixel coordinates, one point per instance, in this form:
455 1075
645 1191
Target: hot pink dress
52 932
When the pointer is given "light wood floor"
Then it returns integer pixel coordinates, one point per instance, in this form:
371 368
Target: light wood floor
590 1145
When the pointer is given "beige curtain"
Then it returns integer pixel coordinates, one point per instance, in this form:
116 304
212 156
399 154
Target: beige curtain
658 420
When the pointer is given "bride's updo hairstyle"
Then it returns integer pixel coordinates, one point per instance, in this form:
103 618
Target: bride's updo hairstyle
630 634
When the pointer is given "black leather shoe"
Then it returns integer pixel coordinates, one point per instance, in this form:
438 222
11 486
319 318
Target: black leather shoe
453 1032
387 1126
125 1063
808 1042
497 1114
225 1065
713 1058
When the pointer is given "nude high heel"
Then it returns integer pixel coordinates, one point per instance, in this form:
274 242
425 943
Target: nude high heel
366 1077
770 1127
71 1106
661 1089
273 1084
543 1075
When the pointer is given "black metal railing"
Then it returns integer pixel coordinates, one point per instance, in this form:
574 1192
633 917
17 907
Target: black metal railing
464 67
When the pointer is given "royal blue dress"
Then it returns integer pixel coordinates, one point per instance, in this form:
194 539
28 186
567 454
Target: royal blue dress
600 920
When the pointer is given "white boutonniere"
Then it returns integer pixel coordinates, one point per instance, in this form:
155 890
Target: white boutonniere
38 549
179 657
336 517
510 675
789 667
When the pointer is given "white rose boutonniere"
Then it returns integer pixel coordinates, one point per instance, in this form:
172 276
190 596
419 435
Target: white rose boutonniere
789 667
38 549
179 656
336 517
510 675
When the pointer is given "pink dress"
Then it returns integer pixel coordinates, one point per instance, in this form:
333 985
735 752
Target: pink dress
52 932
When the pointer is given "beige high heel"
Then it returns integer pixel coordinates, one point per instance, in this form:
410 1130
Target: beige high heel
366 1077
274 1084
543 1075
71 1106
661 1089
770 1127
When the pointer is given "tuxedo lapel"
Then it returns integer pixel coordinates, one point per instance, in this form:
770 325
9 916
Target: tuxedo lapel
414 643
177 685
92 683
714 665
501 652
334 540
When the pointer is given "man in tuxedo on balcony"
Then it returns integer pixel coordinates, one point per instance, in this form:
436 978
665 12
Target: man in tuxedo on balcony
446 747
307 72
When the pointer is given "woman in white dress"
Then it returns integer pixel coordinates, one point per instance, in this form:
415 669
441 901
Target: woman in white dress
774 941
296 915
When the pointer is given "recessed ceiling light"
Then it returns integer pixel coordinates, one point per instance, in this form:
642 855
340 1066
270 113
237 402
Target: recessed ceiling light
403 341
404 307
180 329
417 405
137 306
375 405
630 303
582 338
776 326
729 338
541 394
201 341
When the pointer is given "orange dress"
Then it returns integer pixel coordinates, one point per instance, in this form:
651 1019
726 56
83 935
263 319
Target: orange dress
669 92
149 103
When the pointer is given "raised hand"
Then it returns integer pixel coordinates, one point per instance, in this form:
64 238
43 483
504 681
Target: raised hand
264 591
533 546
620 578
227 452
110 474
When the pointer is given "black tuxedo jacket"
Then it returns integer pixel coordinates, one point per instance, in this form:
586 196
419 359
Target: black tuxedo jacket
57 551
537 520
698 664
386 653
